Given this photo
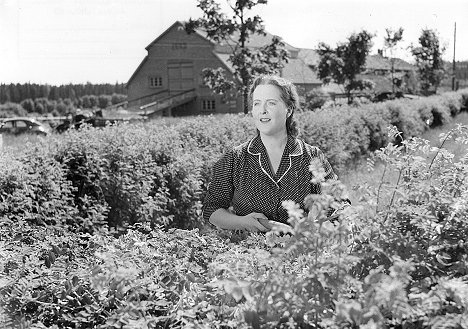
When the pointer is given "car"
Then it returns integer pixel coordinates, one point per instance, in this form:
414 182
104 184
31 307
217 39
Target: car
17 126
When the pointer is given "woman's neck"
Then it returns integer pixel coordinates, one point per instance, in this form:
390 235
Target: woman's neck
277 141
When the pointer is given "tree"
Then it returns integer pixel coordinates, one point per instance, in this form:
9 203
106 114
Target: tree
93 101
428 57
343 64
236 32
390 42
28 105
104 101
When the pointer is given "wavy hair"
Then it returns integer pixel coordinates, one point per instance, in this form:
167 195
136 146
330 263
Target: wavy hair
288 94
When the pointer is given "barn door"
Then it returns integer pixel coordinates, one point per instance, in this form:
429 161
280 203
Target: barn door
180 76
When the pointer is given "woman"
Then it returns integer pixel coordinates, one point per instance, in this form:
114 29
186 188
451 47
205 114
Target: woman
257 176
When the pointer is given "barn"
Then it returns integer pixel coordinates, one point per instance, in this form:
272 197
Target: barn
168 81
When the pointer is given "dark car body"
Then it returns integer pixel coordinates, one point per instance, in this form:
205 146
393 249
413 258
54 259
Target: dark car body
17 126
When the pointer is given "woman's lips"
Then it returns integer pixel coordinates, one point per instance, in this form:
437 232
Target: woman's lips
265 120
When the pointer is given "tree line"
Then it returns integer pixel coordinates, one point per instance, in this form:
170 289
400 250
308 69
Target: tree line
63 106
16 93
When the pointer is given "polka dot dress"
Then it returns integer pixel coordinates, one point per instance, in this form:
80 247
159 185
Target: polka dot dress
243 179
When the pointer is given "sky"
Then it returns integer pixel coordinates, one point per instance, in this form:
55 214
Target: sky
103 41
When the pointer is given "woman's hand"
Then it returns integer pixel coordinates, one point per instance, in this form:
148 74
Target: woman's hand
281 227
252 222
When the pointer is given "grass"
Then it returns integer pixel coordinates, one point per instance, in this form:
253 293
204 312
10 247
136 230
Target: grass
456 148
19 142
361 176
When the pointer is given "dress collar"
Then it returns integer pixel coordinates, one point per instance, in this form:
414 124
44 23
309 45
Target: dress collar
256 146
293 148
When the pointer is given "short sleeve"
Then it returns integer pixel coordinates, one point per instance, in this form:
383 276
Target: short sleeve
221 188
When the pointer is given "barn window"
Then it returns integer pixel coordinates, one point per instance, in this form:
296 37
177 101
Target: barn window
155 82
208 105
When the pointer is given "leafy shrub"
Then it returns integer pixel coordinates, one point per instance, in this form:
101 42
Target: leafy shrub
34 188
398 259
12 109
159 172
376 118
316 98
464 95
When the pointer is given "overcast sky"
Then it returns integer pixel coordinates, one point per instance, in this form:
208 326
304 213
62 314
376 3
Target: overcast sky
75 41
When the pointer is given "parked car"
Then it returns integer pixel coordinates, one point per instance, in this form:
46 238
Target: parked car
17 126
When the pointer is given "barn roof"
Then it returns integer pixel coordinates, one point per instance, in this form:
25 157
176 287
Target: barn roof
178 25
137 69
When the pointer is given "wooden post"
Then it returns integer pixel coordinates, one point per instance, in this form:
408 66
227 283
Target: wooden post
454 69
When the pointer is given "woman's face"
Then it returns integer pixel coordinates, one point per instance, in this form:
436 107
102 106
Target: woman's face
269 112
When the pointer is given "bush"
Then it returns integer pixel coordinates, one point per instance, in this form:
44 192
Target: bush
316 98
464 95
158 172
28 105
34 188
8 110
397 260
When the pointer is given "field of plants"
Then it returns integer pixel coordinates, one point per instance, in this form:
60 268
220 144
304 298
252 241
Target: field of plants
102 228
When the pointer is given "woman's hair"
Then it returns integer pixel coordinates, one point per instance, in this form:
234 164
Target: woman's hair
288 94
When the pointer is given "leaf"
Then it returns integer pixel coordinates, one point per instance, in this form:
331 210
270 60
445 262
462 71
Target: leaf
237 293
51 256
442 257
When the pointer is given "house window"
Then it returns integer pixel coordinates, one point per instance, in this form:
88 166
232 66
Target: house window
208 105
155 82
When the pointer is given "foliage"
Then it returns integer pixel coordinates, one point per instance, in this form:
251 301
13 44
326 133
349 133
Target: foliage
316 98
428 55
343 63
18 92
396 259
44 106
158 172
235 32
11 109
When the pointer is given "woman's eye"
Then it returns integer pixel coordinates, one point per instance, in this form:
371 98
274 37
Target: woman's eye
271 103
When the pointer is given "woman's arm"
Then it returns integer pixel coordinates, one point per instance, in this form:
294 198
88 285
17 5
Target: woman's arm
224 219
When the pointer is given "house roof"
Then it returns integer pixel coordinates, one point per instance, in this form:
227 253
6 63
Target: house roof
299 72
309 56
296 70
383 83
225 59
378 62
254 41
